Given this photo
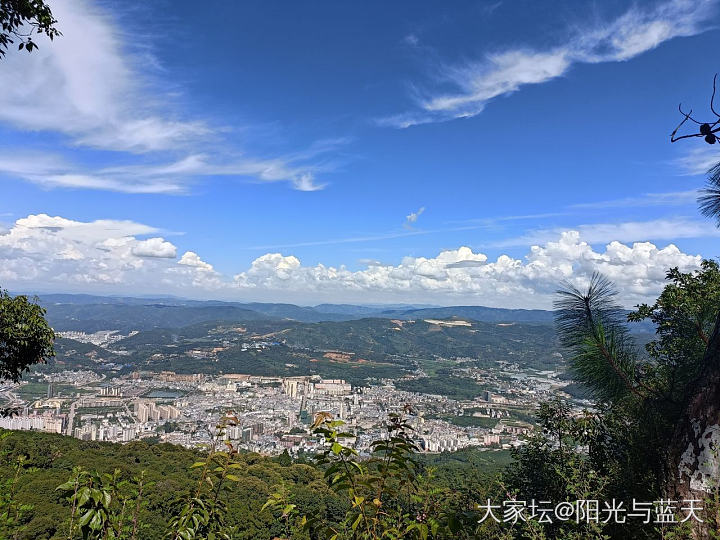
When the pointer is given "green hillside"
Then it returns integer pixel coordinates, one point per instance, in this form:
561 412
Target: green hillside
48 461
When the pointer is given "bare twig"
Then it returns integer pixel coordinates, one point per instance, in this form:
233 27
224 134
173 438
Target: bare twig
712 98
707 130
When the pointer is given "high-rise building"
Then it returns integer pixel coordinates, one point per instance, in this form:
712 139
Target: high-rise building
142 411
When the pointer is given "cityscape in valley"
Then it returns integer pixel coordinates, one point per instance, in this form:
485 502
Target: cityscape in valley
359 270
274 374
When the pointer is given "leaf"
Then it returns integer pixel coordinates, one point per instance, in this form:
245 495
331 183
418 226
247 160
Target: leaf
86 517
288 508
83 496
96 522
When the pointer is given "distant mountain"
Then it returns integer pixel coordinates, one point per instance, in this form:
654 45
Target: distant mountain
126 317
477 313
123 312
377 337
297 313
261 309
368 309
348 309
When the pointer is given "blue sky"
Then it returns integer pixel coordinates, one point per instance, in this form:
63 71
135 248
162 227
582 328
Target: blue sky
332 151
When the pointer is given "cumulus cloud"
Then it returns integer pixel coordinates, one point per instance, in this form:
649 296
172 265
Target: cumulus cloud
638 30
51 251
190 258
464 276
154 247
44 252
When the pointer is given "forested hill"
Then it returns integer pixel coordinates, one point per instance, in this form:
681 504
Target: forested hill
431 337
92 313
127 317
48 461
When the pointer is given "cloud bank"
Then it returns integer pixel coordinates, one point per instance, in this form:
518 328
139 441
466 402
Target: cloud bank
41 252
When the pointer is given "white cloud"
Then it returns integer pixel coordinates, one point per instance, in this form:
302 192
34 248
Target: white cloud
155 247
699 160
412 217
190 258
673 198
599 233
635 32
85 86
170 178
88 86
43 252
51 250
464 276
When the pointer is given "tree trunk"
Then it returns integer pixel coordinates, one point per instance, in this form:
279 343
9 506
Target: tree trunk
695 449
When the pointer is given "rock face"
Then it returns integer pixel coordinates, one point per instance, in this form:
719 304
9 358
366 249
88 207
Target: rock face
694 469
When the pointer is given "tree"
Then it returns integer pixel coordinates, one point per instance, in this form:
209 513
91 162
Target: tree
25 336
629 391
693 462
622 450
20 19
684 315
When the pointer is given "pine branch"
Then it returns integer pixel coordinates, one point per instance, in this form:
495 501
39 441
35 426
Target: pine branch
591 326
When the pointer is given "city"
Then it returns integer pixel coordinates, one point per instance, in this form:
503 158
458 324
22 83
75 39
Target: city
464 383
273 413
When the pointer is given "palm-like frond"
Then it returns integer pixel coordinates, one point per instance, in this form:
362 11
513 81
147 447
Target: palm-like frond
709 199
591 327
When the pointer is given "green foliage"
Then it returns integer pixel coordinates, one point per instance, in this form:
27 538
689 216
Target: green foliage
25 336
620 451
641 398
381 339
391 494
20 18
169 482
710 197
617 452
104 506
204 513
684 315
550 467
590 325
452 387
383 492
12 512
